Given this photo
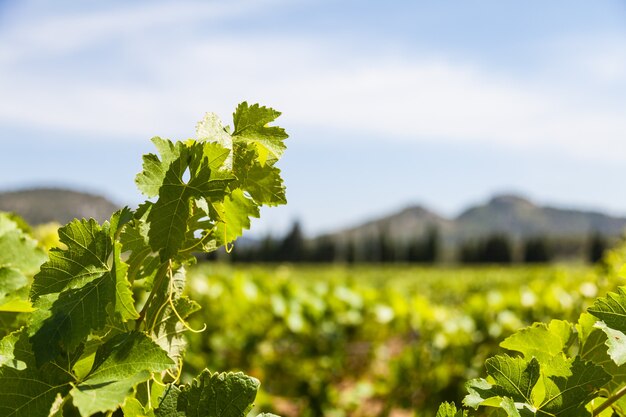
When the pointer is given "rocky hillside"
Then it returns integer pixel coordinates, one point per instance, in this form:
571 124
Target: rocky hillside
43 205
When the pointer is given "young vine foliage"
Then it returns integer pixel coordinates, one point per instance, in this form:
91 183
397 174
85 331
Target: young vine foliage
99 331
557 369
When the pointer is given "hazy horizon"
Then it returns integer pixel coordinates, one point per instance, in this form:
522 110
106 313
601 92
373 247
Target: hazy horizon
256 233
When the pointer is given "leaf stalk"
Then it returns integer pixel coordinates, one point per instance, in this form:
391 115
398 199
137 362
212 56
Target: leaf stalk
609 401
161 274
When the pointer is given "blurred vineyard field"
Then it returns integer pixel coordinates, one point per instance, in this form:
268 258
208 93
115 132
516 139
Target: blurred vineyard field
374 341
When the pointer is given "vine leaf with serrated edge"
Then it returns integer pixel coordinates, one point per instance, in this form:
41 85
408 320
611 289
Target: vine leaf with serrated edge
142 262
217 394
211 129
120 364
251 125
449 410
170 214
25 389
235 213
91 278
593 348
547 343
515 379
612 311
86 258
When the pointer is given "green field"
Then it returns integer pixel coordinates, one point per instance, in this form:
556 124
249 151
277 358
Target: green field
332 340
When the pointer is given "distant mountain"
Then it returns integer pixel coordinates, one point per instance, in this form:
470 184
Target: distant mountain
519 217
43 205
411 221
508 214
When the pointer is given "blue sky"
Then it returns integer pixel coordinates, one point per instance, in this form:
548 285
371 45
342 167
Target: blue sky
387 103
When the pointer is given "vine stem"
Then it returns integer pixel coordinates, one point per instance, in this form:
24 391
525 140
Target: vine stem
158 281
609 401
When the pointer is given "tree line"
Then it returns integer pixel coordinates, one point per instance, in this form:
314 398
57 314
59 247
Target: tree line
426 248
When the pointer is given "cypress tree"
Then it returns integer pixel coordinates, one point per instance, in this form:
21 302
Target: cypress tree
597 246
537 250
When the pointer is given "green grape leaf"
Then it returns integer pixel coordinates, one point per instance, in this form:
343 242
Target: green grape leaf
593 347
568 396
118 221
133 408
211 129
124 301
169 404
544 342
251 125
515 379
86 258
150 179
170 215
449 410
261 181
99 287
210 394
265 185
142 262
91 399
26 390
218 157
611 309
15 351
120 364
72 317
84 363
124 355
480 391
588 335
235 213
509 406
201 230
616 342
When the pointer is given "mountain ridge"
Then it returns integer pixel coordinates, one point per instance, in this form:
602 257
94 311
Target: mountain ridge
61 205
511 214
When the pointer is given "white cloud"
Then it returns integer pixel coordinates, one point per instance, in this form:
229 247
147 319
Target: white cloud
314 81
425 101
55 35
